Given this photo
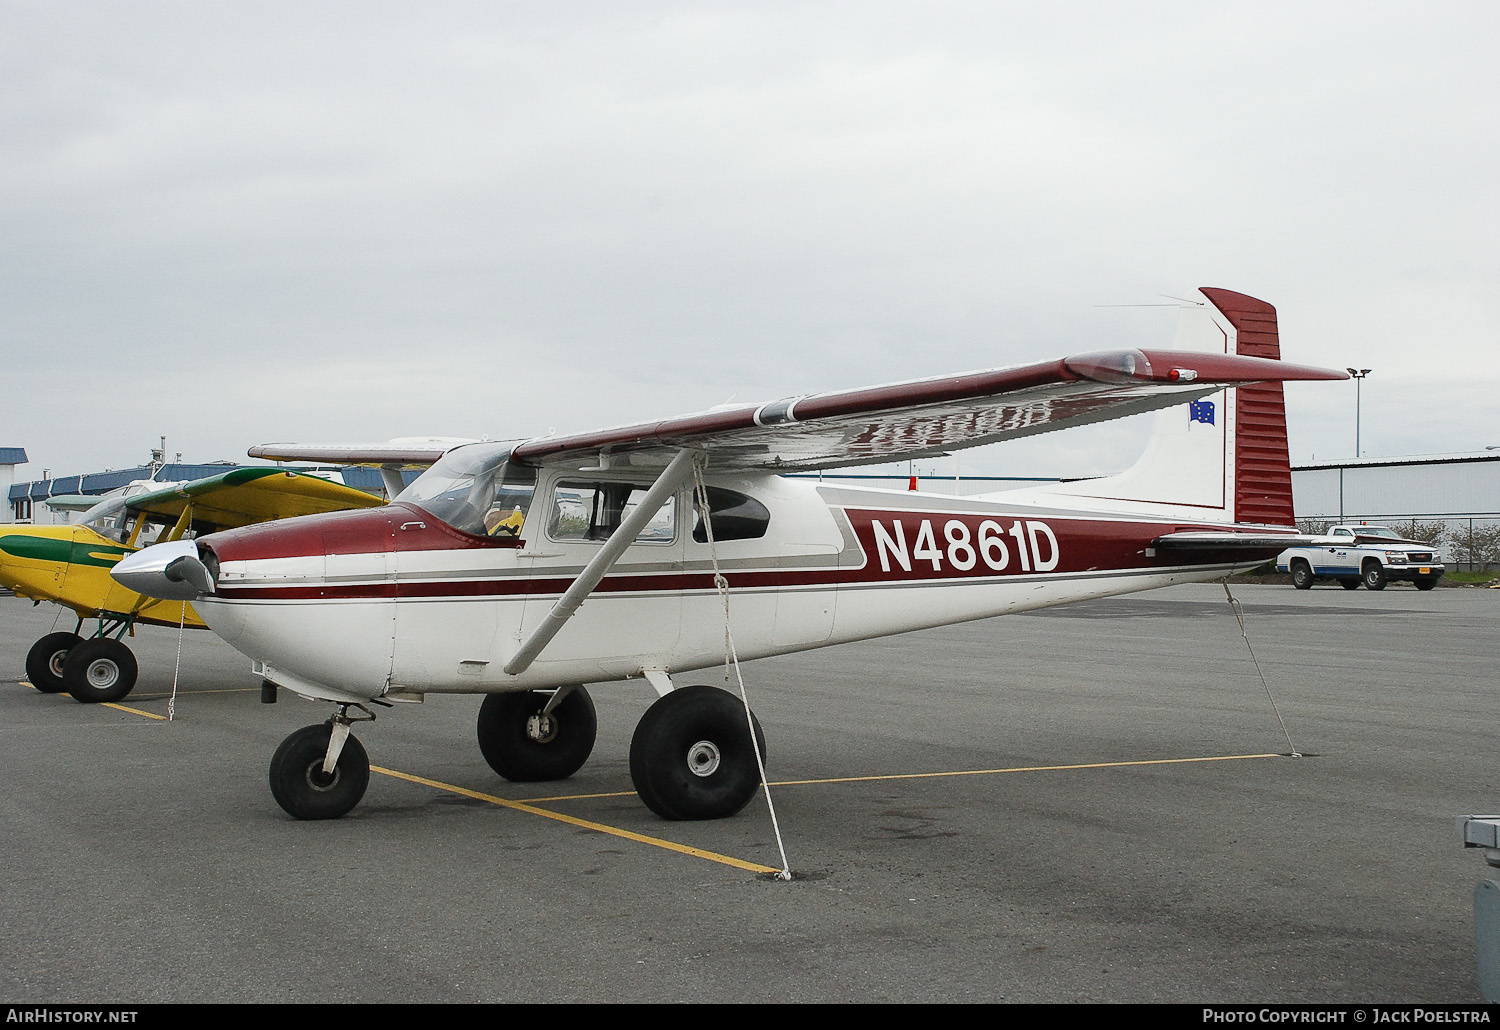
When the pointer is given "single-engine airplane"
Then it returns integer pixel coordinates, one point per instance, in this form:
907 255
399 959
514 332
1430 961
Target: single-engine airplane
69 564
474 580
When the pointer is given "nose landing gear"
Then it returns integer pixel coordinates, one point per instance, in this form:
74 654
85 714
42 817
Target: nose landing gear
321 772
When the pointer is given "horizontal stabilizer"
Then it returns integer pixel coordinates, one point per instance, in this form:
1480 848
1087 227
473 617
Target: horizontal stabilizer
1210 541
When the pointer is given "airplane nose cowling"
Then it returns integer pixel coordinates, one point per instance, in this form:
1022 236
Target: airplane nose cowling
171 571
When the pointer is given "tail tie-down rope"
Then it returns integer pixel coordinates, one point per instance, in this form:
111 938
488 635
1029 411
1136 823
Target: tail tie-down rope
1239 613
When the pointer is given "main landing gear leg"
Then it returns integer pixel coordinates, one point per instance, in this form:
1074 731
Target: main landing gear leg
537 735
692 756
94 670
321 772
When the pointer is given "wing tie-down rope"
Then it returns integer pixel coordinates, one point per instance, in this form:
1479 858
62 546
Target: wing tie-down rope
731 658
1239 613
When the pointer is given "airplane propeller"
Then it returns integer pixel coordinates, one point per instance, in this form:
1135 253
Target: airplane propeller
171 571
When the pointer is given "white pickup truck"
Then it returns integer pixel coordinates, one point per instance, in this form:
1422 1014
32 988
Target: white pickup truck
1372 555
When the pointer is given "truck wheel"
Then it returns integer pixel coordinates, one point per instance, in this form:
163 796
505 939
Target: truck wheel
1349 584
1302 575
1425 582
1374 576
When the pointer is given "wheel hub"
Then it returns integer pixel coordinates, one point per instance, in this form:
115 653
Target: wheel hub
320 781
703 758
541 728
102 674
55 663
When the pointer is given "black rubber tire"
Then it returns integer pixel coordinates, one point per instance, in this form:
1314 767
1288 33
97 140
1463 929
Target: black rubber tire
672 734
297 780
1424 582
1373 576
99 670
1302 575
512 752
1349 584
44 662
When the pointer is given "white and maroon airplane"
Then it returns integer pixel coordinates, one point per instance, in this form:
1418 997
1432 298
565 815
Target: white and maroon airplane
473 580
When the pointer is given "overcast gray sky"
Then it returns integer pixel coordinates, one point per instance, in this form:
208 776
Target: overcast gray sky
237 222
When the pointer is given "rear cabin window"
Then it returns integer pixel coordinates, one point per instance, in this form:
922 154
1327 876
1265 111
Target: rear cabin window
732 516
593 511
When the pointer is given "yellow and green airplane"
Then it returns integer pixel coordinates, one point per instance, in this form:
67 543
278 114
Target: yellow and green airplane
69 564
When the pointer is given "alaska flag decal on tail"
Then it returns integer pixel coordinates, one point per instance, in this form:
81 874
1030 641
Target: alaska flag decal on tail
1201 411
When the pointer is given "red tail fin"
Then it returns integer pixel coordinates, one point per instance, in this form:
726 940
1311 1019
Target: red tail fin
1262 463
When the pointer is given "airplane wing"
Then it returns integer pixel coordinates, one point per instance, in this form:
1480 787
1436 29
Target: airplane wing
72 502
246 496
922 417
397 454
391 458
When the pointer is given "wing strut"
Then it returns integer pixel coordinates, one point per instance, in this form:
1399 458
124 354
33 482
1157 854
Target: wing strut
390 478
675 474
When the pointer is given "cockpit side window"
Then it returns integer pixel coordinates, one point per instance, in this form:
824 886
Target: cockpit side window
732 516
512 500
593 511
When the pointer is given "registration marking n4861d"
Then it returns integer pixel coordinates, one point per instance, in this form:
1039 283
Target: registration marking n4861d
966 543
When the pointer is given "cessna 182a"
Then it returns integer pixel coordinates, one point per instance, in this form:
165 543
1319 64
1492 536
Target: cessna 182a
474 580
69 564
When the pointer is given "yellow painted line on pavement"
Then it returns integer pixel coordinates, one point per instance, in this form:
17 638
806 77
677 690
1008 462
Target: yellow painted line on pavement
1022 769
639 838
157 697
111 704
134 711
212 690
935 775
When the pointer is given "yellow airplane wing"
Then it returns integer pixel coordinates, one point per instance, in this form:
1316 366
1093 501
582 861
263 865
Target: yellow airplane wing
250 495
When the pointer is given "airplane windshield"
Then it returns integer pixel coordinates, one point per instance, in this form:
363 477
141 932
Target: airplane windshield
104 516
476 490
111 519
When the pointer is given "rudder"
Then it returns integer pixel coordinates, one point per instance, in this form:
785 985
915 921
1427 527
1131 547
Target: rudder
1262 459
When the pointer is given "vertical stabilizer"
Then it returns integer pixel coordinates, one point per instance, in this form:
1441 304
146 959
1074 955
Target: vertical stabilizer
1262 463
1221 458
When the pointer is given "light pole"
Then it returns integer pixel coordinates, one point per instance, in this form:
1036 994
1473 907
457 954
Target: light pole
1358 375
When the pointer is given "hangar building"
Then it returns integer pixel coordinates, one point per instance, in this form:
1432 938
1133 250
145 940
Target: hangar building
10 457
1429 487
